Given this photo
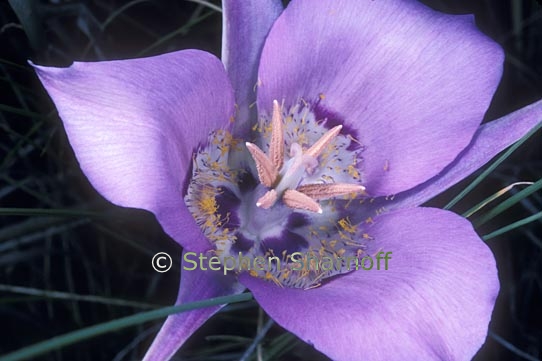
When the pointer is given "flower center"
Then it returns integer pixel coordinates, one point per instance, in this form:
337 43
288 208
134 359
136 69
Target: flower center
290 208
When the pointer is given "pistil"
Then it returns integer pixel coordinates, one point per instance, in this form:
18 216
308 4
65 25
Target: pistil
284 177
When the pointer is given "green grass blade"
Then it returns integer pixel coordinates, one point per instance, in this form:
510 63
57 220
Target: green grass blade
173 34
96 330
119 11
256 341
492 167
26 113
513 226
281 345
512 348
15 65
208 4
74 297
509 203
49 212
26 138
16 86
491 198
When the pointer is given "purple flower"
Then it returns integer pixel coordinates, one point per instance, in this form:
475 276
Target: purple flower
375 99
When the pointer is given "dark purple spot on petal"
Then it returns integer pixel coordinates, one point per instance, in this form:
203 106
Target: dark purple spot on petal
332 119
228 204
297 220
247 182
289 241
242 244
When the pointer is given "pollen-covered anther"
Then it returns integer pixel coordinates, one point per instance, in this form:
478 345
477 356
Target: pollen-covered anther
276 148
267 200
317 148
327 191
298 200
267 173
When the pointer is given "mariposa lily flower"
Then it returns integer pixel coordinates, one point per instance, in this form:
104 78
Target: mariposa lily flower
322 131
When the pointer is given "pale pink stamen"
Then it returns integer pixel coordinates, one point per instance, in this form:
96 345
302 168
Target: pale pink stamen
266 170
323 142
326 191
276 148
298 200
267 200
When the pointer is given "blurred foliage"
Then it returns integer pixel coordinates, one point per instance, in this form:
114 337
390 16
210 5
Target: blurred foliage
88 262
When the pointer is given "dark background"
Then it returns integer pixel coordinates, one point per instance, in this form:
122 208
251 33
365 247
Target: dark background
110 255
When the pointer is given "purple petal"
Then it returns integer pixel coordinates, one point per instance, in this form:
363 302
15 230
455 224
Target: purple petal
134 124
195 285
489 140
433 303
245 26
413 82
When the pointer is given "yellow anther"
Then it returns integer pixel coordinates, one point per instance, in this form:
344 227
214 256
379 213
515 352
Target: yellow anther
347 225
